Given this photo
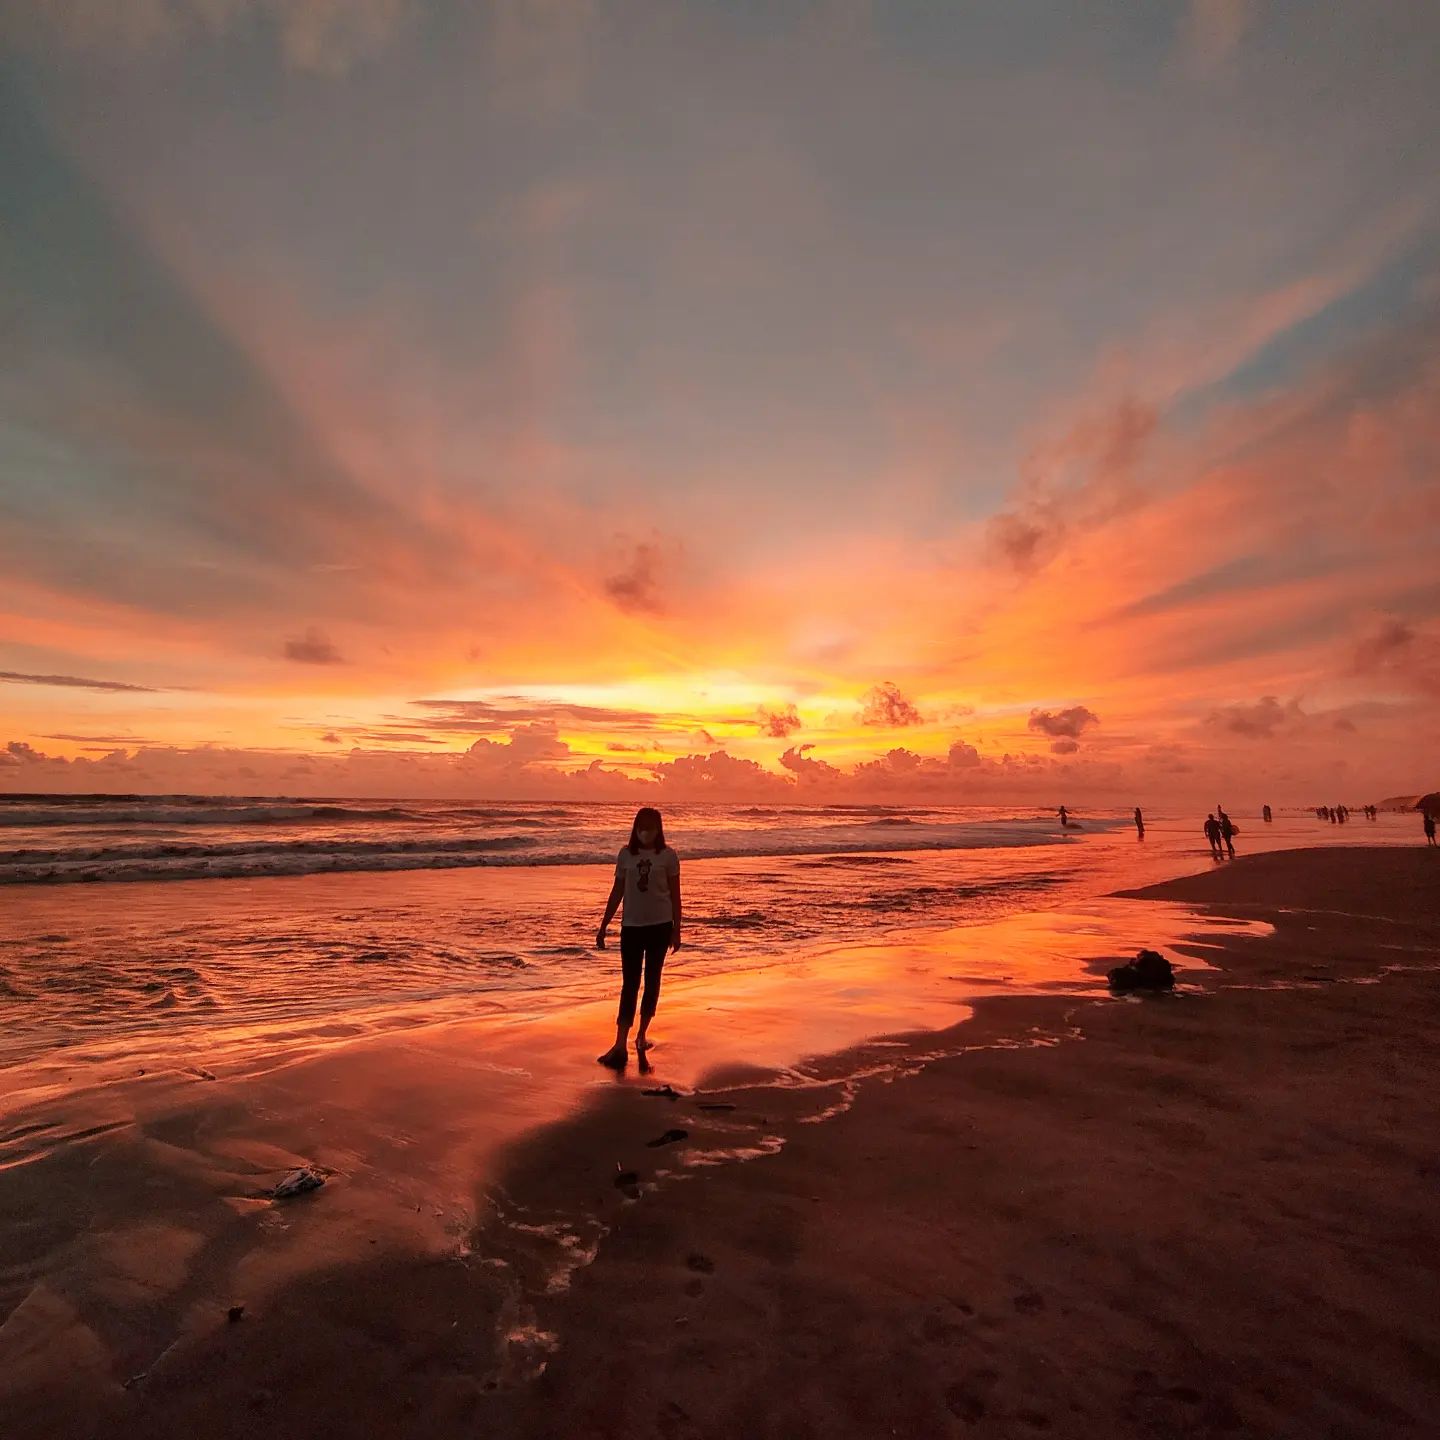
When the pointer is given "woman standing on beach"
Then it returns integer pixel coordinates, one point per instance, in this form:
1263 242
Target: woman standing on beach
647 883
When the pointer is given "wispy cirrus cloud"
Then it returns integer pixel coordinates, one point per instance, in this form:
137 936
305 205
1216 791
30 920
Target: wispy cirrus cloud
317 36
75 682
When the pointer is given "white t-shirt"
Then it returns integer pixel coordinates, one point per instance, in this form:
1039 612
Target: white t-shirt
647 878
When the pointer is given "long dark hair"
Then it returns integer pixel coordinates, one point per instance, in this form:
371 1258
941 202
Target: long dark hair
649 817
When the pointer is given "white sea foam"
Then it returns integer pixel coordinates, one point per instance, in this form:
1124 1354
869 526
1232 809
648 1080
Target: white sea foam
93 840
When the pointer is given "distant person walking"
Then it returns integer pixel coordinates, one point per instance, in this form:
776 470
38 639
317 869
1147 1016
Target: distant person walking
1139 823
647 884
1429 828
1265 814
1212 834
1227 833
1064 817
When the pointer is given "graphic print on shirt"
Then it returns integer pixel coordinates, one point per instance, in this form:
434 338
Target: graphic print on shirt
642 874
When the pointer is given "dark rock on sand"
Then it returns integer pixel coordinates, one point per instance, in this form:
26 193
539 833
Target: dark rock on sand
668 1138
297 1182
1149 970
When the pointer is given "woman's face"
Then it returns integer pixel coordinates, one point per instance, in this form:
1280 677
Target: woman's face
645 837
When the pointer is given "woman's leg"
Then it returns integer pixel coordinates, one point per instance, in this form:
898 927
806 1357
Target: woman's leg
632 950
657 942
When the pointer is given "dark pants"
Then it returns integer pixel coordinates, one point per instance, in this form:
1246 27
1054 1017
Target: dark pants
647 944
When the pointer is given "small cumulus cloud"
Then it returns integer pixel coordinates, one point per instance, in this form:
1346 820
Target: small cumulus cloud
527 743
312 648
1406 656
807 769
896 762
1392 638
330 738
1064 747
1063 724
1019 540
635 587
779 723
963 756
719 773
885 706
1260 721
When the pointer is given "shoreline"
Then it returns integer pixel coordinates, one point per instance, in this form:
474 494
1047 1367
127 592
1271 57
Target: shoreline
551 1203
1262 1262
161 960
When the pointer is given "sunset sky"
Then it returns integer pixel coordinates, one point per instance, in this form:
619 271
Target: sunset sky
737 398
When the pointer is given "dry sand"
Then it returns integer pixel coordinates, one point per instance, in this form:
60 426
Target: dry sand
1210 1213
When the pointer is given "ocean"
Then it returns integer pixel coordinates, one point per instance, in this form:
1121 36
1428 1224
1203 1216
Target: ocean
130 918
102 838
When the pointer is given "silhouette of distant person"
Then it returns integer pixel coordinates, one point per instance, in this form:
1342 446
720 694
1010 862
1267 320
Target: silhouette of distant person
1212 834
1265 814
1139 823
1334 816
1064 817
1429 828
1227 833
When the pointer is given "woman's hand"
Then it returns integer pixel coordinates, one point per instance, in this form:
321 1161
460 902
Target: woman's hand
600 938
675 938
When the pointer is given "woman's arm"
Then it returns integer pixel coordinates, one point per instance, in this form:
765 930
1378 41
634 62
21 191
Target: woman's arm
675 903
617 892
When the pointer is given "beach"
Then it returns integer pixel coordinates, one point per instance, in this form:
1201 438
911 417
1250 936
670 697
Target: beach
955 1188
879 515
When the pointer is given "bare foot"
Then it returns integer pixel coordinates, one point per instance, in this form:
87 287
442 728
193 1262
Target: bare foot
614 1058
642 1044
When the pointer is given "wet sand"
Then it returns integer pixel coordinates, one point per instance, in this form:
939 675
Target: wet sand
1212 1213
